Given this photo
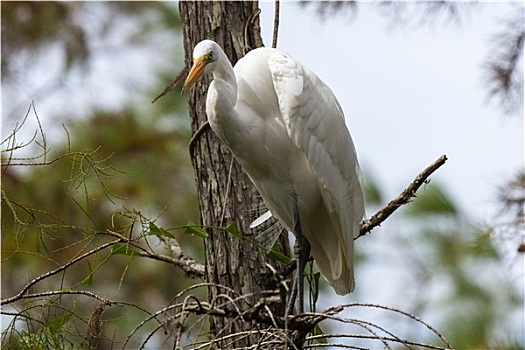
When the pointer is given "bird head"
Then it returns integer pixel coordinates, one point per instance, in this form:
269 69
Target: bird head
204 58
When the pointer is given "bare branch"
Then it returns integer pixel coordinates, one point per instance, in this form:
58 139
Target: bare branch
176 81
404 198
180 259
404 313
363 336
54 272
291 331
191 267
66 292
275 24
23 161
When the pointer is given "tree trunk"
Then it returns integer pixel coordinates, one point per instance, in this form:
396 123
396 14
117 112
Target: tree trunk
225 193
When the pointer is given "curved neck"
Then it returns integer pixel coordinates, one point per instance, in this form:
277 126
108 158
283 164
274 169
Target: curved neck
224 71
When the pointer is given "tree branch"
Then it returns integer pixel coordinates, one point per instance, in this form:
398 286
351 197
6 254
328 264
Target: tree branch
279 329
176 81
404 198
54 272
68 292
191 267
275 24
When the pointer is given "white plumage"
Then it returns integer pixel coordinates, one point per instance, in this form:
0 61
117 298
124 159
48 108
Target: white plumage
287 130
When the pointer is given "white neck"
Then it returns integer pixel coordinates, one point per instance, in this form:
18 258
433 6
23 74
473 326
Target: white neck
224 71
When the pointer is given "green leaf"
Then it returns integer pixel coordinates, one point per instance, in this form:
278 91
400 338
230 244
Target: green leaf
232 228
56 324
155 230
89 279
276 254
196 230
315 294
319 331
123 249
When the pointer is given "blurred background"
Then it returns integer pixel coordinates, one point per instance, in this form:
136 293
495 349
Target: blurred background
415 81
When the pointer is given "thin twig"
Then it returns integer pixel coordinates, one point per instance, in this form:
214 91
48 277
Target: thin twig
303 323
404 198
49 162
363 336
176 81
44 143
67 292
275 24
249 22
191 267
330 312
54 272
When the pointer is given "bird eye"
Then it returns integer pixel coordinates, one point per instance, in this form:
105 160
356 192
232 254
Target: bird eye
210 56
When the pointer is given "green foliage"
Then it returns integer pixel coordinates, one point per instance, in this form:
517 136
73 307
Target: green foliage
89 279
65 198
232 229
155 230
193 229
123 249
315 286
319 331
276 254
56 324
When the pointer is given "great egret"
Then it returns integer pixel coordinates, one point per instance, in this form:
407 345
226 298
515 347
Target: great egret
287 130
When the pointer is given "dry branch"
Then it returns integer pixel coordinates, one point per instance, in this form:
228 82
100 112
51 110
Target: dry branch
176 81
191 267
290 332
275 24
404 198
54 272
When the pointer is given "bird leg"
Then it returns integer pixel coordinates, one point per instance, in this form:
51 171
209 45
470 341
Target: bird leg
302 254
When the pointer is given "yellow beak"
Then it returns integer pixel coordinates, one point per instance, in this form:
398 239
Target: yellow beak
195 73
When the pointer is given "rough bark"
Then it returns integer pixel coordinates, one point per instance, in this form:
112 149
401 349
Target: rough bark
225 193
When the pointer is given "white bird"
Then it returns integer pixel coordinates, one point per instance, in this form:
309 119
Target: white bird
287 130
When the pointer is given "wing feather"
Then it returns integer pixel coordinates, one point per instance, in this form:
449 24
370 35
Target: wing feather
315 122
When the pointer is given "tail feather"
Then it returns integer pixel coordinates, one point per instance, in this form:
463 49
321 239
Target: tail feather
331 252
